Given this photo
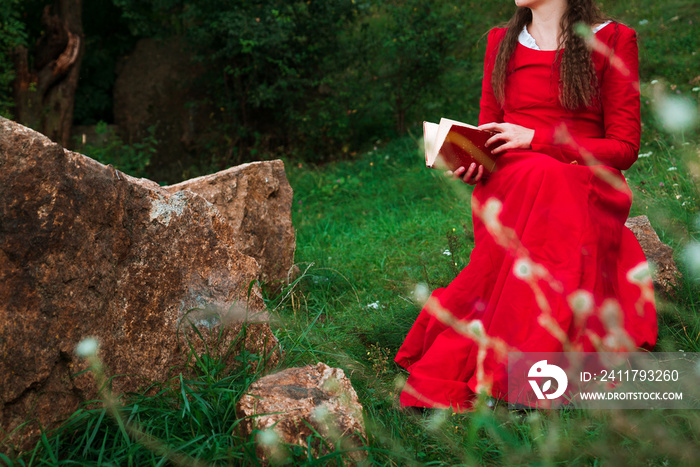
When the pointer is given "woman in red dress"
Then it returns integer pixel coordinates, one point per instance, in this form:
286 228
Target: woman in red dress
553 268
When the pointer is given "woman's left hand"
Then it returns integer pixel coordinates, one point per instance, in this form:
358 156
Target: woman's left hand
515 136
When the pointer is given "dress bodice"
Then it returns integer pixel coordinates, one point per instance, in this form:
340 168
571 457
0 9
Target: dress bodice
610 129
532 95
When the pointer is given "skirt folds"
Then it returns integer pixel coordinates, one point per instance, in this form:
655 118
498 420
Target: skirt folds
553 269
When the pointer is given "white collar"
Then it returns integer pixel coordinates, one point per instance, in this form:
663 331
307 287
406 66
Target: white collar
528 41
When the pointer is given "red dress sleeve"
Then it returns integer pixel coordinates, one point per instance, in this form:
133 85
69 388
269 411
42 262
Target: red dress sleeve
619 90
489 108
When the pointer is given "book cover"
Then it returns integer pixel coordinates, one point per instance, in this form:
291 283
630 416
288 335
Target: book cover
452 144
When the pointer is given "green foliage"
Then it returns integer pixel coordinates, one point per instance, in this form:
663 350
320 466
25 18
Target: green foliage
107 39
668 40
273 56
408 46
395 63
152 18
133 159
191 417
189 420
320 79
264 60
12 34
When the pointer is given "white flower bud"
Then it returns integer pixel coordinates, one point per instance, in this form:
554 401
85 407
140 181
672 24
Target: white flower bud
320 413
399 382
268 437
676 113
581 301
87 347
610 314
522 268
640 274
437 419
691 258
491 211
476 327
421 293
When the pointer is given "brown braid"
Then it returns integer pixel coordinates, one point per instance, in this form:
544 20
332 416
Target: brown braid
578 86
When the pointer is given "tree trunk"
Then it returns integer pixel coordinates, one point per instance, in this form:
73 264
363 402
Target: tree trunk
45 93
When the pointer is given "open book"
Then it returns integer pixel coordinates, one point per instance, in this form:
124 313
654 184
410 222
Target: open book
452 144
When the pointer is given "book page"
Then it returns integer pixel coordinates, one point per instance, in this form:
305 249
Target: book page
430 131
449 123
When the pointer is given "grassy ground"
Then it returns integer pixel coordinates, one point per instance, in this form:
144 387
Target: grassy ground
377 226
368 231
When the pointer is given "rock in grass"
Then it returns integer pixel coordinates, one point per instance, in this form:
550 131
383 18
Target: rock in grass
256 199
86 250
665 274
290 406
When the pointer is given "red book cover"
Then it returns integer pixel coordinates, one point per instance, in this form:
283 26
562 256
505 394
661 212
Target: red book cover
453 144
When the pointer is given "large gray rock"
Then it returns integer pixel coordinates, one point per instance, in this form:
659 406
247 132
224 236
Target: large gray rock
86 250
256 199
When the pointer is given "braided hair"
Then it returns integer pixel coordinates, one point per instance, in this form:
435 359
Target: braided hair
578 85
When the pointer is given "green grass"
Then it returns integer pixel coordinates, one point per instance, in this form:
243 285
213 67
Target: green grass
368 230
187 417
372 240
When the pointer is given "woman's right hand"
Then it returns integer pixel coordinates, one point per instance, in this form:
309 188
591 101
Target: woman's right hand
471 175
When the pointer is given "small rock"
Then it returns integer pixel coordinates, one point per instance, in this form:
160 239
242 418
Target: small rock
317 395
665 274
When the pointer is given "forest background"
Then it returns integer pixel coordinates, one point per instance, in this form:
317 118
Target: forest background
338 89
308 80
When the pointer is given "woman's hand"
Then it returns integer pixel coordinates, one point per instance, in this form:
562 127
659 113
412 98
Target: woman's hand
515 136
466 174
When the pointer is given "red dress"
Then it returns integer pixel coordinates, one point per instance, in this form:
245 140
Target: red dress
553 267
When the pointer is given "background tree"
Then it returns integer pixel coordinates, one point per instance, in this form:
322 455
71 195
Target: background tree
46 80
264 62
316 80
107 41
12 34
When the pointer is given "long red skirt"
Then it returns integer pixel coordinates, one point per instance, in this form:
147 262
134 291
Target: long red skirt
553 269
